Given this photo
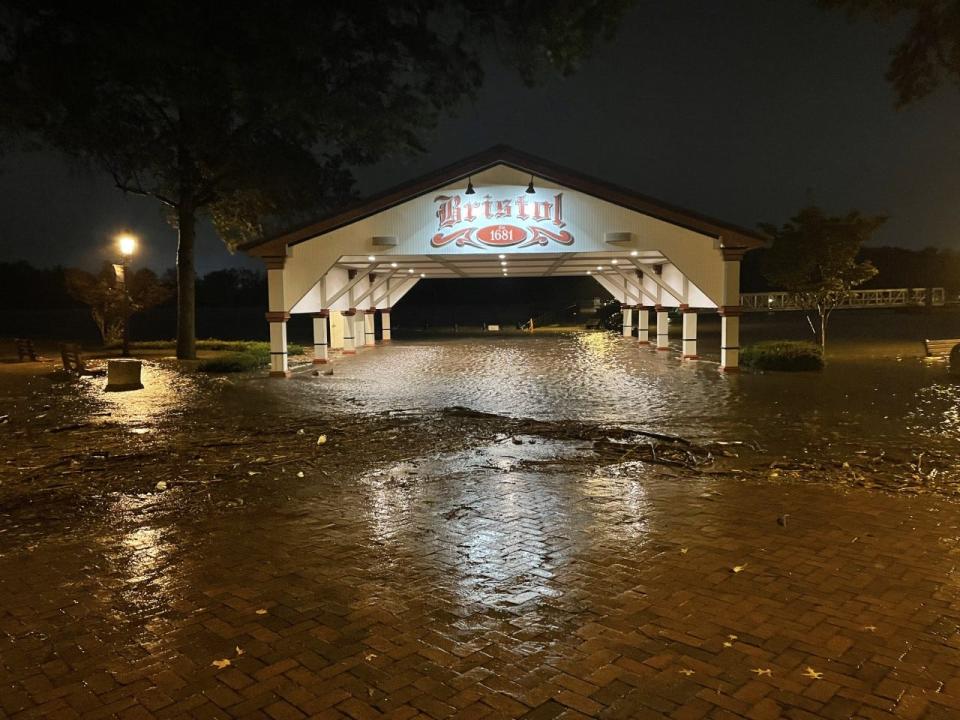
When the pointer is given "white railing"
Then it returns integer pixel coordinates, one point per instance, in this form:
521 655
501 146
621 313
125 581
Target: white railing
889 297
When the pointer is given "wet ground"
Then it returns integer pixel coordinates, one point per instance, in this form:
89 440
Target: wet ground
557 527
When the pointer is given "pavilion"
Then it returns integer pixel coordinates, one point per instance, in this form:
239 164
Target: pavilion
504 213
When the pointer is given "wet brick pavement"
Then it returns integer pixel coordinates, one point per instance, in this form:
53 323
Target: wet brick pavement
488 593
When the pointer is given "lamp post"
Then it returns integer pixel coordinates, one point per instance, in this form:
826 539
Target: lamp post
127 244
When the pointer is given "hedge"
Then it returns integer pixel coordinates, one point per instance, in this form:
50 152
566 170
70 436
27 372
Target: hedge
787 355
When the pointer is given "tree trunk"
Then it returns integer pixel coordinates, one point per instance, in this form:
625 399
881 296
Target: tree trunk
186 283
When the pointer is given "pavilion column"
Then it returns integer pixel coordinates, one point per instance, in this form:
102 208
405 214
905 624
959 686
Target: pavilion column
349 344
643 325
385 324
730 310
730 339
627 312
321 342
277 316
663 328
369 328
278 343
359 329
689 332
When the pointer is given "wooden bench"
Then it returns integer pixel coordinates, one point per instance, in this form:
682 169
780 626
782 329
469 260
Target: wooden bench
73 361
940 348
25 351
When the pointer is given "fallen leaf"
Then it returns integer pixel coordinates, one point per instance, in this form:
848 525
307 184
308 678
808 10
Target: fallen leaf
321 440
300 431
732 637
738 568
239 650
221 664
763 671
686 672
812 674
300 474
684 551
262 611
162 485
869 628
369 657
727 643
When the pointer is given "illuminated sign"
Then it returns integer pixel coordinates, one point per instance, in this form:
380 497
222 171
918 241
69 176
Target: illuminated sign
521 221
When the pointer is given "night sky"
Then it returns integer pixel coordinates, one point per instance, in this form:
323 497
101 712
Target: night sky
743 110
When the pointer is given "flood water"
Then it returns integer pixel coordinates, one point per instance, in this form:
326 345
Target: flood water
902 402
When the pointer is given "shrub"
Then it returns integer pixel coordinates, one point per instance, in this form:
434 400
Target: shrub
789 355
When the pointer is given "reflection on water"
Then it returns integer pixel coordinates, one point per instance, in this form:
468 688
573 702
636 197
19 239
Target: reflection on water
601 377
166 394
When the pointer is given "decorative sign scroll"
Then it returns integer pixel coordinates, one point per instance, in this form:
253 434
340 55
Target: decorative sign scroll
500 223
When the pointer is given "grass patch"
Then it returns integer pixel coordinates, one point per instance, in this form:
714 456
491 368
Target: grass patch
786 355
231 355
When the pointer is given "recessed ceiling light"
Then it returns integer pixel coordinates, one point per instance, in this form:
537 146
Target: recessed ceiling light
501 256
633 253
423 274
599 267
589 273
613 262
503 262
393 264
409 270
371 258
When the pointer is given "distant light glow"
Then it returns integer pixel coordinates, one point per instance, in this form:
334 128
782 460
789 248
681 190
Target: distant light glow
503 262
501 256
599 267
423 274
409 270
614 261
371 258
633 253
393 264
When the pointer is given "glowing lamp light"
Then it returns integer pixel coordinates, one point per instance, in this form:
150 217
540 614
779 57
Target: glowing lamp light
423 274
633 253
127 244
371 258
599 267
503 262
614 261
409 270
393 264
501 256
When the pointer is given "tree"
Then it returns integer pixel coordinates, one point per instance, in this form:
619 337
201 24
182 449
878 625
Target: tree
103 294
929 55
249 113
814 258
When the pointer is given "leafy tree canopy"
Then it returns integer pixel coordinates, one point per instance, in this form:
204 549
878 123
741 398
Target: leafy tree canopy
929 55
813 256
252 113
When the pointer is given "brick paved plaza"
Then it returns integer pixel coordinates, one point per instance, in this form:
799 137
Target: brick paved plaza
488 592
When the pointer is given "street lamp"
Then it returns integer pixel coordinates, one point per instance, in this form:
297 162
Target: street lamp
127 245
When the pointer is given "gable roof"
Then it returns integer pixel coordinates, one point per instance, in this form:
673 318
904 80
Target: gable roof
732 236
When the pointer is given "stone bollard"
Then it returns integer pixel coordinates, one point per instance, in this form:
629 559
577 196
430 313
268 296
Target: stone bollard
123 375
